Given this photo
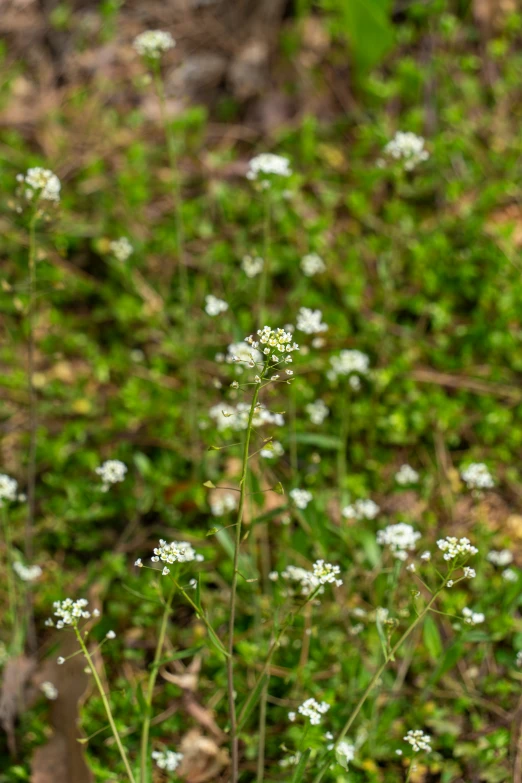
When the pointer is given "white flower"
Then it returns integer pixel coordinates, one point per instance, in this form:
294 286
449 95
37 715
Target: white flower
406 475
292 760
307 581
317 411
344 753
252 266
273 576
42 182
326 573
472 618
426 556
138 563
312 264
8 488
236 418
418 740
309 321
49 690
268 164
361 509
469 573
456 547
110 635
509 575
175 552
400 539
223 503
60 661
27 573
313 710
153 43
477 476
500 558
167 759
165 571
408 147
215 306
278 343
292 716
301 497
271 450
121 248
111 471
243 354
348 362
411 568
450 583
69 612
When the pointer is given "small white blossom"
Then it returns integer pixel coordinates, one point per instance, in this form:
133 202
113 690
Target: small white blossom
309 321
477 476
312 264
326 573
407 147
112 471
252 267
469 573
294 758
110 635
41 182
306 580
121 248
301 497
175 552
223 503
472 618
361 509
271 450
165 571
348 362
500 558
400 538
268 164
60 661
167 759
273 576
510 575
49 690
8 488
418 740
426 556
215 306
138 563
292 716
27 573
153 43
411 568
317 411
450 583
456 547
406 475
313 710
69 612
344 753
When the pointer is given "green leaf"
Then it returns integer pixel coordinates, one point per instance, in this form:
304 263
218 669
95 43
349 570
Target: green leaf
432 638
367 26
301 767
279 488
315 439
209 485
251 701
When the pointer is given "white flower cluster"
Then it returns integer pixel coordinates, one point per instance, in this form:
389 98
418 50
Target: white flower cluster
477 476
168 760
276 341
153 43
112 471
400 538
418 740
456 547
317 411
345 752
8 488
312 264
49 690
408 147
175 552
510 575
252 266
215 306
41 182
326 573
267 164
222 504
500 558
272 450
69 612
361 509
471 617
301 497
27 573
406 475
236 417
309 321
348 362
313 710
242 353
306 579
121 248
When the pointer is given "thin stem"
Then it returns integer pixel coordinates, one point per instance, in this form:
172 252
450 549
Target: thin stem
233 591
263 285
11 585
106 705
391 655
31 468
144 760
262 733
343 446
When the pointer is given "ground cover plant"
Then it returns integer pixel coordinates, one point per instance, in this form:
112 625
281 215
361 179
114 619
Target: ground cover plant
261 412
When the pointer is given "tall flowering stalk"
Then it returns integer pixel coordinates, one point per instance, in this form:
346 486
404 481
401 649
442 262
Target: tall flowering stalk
8 488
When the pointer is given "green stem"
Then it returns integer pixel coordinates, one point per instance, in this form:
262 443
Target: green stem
233 591
343 446
11 585
262 734
31 468
369 688
106 705
144 760
263 285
